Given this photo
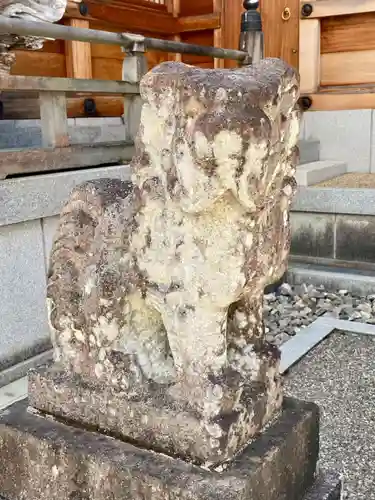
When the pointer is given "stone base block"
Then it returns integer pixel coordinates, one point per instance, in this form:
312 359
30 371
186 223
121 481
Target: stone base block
43 459
152 413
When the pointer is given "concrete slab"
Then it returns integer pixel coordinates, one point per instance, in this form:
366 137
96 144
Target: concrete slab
319 171
24 330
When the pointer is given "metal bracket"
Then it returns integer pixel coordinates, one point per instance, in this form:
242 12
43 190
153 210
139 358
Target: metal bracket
135 43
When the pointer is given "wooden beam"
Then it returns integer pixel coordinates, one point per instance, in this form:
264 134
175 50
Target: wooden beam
326 101
326 8
281 37
77 156
68 85
348 68
309 55
200 23
136 17
78 54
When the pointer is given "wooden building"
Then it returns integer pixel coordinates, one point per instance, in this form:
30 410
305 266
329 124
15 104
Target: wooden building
204 22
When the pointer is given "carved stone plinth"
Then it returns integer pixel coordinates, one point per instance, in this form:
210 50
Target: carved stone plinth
155 297
43 459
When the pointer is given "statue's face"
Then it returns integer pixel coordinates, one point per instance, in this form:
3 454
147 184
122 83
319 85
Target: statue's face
218 140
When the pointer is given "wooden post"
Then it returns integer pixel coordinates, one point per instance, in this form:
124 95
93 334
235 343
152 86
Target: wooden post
175 10
309 55
218 33
53 119
134 67
231 27
78 54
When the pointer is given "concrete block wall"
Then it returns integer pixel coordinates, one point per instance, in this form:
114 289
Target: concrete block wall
28 220
347 136
334 226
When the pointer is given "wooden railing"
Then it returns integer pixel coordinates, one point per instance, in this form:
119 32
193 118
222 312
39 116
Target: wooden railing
57 153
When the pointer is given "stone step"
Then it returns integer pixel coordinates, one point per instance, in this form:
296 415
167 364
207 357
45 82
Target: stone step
312 173
333 279
309 150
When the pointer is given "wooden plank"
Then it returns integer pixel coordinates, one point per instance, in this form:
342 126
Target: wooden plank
23 105
309 55
200 38
30 63
281 38
106 68
78 54
197 7
101 50
348 33
54 119
24 161
68 85
348 68
106 106
135 17
326 8
342 101
200 23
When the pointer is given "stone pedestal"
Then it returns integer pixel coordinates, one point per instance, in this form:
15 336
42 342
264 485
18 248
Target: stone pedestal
44 459
155 297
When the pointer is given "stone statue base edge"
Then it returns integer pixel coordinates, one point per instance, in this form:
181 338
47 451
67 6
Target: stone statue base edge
43 459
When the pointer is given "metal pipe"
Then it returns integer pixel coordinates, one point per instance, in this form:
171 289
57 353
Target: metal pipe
126 40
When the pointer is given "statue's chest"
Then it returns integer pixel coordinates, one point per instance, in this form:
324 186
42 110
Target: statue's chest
169 242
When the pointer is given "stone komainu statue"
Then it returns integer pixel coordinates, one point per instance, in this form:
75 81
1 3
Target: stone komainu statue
158 281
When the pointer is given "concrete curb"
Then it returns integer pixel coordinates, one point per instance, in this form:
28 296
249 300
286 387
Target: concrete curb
305 340
362 284
319 171
20 370
39 196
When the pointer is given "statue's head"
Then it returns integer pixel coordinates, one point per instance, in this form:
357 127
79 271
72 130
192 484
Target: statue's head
219 131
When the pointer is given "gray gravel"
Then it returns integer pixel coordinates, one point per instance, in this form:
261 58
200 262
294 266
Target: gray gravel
339 375
290 309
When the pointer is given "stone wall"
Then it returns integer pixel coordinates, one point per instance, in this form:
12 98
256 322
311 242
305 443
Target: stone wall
28 219
334 226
